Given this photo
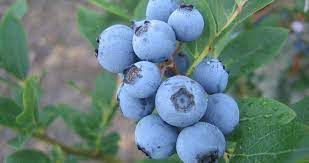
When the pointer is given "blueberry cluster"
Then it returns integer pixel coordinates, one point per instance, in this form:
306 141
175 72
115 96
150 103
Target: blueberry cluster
192 115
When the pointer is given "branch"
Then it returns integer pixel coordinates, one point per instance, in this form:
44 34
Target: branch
75 151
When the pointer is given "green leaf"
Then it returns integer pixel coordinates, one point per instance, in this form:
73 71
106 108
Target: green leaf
252 49
48 115
302 110
221 17
83 124
90 24
57 155
113 8
259 110
266 132
103 97
273 144
9 110
196 47
31 99
105 87
13 46
250 8
27 156
19 141
300 6
273 20
19 8
17 95
172 159
221 12
109 143
140 10
239 2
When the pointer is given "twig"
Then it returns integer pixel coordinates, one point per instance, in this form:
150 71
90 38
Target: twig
75 151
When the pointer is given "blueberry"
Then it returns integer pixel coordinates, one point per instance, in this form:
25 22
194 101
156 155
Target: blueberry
199 143
299 45
211 74
142 79
187 22
297 26
181 101
155 138
135 24
161 9
115 51
182 64
222 111
134 108
154 41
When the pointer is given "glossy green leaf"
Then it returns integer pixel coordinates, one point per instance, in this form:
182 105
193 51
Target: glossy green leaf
27 156
31 98
113 8
302 110
90 24
9 110
19 8
266 132
252 49
13 46
255 110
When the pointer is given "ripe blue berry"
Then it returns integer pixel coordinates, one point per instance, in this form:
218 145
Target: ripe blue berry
182 64
155 138
181 101
187 22
154 41
135 24
142 79
115 51
161 9
211 74
222 111
201 142
134 108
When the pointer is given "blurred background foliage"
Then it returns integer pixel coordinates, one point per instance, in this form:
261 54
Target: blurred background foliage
53 79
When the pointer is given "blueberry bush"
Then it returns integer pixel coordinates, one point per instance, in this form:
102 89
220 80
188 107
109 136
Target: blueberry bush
175 60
